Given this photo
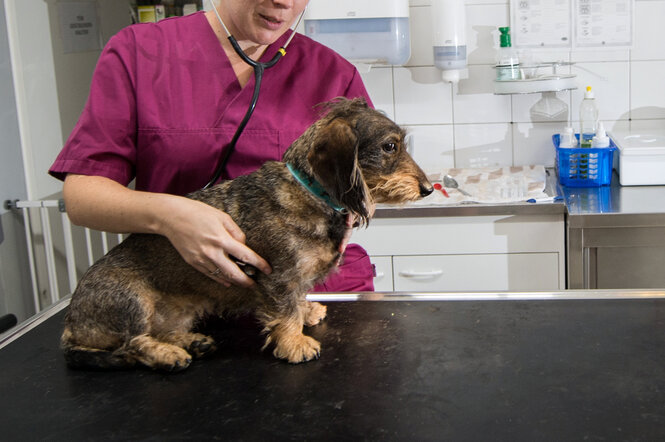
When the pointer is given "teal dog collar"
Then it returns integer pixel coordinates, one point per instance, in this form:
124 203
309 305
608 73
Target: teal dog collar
313 186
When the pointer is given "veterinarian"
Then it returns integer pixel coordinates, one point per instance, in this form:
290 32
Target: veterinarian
166 98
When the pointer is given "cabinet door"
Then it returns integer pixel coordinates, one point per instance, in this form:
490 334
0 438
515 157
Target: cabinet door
383 266
477 272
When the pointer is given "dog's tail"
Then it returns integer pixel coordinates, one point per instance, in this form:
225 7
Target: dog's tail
81 357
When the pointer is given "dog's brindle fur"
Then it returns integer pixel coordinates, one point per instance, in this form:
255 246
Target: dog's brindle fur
140 302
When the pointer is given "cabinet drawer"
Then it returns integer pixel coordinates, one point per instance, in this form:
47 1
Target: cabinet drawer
383 266
477 272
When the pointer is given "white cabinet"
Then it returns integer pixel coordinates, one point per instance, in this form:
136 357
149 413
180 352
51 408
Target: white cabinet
383 273
466 253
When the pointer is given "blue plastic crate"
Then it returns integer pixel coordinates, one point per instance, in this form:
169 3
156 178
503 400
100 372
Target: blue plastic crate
584 166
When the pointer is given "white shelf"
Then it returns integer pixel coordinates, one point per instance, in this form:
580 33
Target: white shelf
545 83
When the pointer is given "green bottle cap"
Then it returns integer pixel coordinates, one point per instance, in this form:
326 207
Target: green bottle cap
504 38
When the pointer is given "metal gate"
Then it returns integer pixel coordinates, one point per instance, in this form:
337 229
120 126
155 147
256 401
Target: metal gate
47 232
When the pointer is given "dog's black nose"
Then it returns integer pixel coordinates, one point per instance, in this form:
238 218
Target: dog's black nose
426 189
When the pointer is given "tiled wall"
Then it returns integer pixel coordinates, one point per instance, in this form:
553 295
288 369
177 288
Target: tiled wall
467 125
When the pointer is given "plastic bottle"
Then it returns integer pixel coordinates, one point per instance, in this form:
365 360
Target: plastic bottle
588 118
600 139
507 62
567 138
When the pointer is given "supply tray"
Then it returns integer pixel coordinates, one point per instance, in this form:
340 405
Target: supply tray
584 166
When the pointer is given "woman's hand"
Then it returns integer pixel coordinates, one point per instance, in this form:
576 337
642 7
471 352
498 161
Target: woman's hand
204 236
210 241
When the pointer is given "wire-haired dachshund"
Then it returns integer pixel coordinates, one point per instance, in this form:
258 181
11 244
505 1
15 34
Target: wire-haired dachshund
140 302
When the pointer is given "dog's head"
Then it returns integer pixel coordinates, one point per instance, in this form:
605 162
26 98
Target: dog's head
359 156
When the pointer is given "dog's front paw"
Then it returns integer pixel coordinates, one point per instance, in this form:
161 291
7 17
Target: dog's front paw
298 349
315 313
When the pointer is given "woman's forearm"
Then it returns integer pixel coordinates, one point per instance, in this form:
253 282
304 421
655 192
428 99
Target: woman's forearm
103 204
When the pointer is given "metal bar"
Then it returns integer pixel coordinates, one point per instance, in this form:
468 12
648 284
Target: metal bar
105 243
69 252
88 247
29 324
50 256
31 259
489 296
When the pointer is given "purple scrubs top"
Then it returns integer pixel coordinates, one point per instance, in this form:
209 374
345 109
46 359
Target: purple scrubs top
164 102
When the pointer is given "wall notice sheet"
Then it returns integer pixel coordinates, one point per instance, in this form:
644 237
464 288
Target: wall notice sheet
572 24
79 27
601 23
541 23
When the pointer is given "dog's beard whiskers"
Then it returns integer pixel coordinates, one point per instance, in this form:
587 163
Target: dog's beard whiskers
395 189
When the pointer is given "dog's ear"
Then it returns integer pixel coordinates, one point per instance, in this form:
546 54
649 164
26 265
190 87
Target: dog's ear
334 161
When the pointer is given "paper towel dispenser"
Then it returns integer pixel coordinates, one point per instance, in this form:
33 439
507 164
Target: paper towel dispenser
362 31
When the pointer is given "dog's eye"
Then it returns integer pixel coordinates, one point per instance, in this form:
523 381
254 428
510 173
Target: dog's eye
389 147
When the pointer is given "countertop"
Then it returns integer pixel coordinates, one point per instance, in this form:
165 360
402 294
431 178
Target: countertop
505 366
624 202
615 205
475 209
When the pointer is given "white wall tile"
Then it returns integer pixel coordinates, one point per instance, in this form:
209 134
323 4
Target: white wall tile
488 2
647 90
379 84
432 146
582 56
610 83
647 125
537 56
482 145
533 143
482 34
474 100
421 37
422 97
649 31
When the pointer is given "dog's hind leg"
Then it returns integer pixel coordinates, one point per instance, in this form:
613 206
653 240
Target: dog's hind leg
157 354
196 344
79 356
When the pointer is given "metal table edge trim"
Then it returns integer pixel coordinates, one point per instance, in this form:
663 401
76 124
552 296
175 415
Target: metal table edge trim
33 322
490 296
54 309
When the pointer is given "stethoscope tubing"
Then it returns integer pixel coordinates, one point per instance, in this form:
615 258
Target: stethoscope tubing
259 69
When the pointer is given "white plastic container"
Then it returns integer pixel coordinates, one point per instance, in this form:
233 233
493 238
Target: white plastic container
362 31
600 139
641 157
568 139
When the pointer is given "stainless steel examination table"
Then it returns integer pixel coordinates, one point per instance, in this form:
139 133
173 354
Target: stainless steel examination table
461 367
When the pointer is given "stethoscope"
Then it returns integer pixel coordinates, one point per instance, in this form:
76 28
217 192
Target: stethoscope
259 68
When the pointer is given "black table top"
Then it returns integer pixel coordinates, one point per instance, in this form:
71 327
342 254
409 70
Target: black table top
481 370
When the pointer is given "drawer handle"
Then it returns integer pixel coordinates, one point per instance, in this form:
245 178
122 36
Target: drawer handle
379 275
414 274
